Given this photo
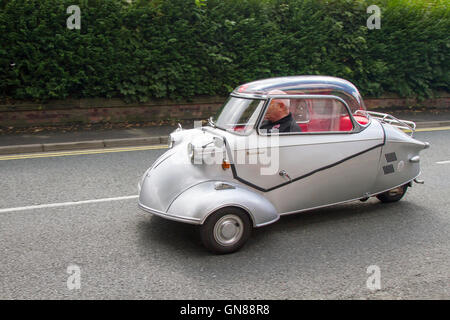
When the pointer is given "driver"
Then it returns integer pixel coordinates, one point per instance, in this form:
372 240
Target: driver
278 116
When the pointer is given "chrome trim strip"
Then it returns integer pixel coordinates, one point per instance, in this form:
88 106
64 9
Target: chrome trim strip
168 216
248 95
267 223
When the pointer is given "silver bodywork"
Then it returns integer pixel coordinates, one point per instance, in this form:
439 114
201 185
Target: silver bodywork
315 170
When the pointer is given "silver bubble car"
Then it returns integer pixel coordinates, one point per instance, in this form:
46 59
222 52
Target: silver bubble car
279 146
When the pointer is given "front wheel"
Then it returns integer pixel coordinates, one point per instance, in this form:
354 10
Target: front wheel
226 230
393 195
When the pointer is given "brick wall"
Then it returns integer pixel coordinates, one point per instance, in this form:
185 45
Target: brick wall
114 110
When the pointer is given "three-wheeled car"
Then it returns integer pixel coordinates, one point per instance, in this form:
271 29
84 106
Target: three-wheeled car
279 146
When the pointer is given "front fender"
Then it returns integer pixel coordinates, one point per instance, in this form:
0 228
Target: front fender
199 201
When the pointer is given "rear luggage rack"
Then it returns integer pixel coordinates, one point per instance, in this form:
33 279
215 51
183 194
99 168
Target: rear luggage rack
389 119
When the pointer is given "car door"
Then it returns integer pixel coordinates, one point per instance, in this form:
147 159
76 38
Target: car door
330 161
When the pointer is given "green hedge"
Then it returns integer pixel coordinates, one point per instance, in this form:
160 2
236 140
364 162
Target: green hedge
176 49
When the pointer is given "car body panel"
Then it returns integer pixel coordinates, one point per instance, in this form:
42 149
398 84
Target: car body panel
300 155
195 202
395 166
174 173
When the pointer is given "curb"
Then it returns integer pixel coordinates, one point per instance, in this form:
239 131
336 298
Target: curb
80 145
132 142
432 124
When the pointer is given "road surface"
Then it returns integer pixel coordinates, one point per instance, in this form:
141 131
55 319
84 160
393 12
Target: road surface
119 252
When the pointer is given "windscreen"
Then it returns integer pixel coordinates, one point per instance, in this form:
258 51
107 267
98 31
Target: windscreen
238 114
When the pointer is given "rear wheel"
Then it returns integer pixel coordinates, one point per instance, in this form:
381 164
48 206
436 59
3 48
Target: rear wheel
393 195
226 230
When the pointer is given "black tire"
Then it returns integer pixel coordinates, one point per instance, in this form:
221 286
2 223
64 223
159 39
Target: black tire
229 221
393 195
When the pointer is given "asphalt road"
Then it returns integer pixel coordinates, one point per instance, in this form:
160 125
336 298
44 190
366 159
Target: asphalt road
123 253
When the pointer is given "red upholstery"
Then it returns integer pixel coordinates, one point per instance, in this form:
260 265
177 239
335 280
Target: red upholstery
362 120
303 126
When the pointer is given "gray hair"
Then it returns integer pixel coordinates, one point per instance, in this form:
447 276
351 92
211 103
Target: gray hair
286 102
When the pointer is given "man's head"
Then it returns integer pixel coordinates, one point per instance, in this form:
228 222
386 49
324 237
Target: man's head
278 108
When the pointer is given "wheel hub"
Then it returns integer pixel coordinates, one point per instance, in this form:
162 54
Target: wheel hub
228 230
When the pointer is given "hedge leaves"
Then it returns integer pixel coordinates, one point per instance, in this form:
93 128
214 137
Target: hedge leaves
179 49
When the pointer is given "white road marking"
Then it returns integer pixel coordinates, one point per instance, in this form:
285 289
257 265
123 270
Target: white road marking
443 162
66 204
